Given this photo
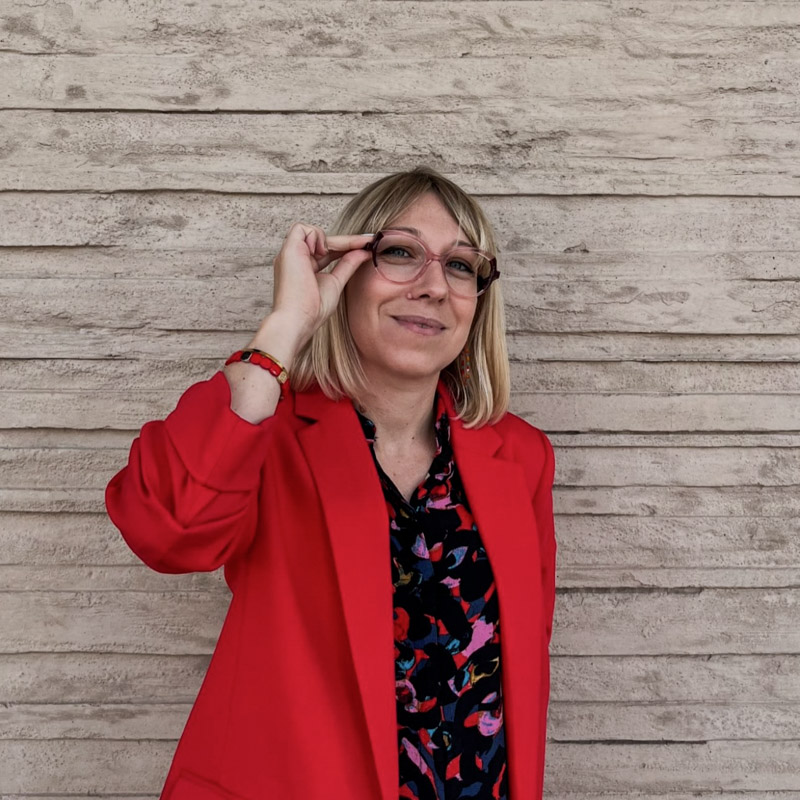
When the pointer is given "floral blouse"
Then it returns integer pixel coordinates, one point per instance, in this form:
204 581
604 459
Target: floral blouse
450 733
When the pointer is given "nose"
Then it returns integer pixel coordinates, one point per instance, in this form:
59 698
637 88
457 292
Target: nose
431 282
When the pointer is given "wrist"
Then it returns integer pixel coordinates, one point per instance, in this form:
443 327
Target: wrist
280 338
267 362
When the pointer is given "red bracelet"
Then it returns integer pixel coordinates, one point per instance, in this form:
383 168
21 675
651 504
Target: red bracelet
267 362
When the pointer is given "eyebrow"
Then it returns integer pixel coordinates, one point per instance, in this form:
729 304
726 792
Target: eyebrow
419 235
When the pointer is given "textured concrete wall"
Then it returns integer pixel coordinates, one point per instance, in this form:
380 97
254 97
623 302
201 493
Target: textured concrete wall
640 161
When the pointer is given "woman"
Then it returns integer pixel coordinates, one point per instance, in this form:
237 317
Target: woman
385 525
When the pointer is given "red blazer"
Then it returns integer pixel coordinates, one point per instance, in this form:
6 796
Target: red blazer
299 700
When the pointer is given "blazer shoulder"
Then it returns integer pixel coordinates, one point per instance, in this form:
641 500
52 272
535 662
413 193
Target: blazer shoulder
528 445
515 429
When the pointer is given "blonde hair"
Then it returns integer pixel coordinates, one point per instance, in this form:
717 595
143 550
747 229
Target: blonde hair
330 357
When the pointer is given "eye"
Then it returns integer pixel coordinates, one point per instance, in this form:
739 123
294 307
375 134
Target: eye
393 250
461 266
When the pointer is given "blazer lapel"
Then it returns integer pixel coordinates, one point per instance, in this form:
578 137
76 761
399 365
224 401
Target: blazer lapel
502 507
358 524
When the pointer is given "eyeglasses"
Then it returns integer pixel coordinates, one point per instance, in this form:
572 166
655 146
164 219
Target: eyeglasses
401 257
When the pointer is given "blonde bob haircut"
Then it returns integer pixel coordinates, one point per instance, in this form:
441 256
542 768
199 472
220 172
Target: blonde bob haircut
330 357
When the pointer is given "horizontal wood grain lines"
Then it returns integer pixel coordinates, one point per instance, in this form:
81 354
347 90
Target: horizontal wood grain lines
700 690
662 622
91 678
77 577
336 29
134 767
524 252
162 720
84 766
648 303
613 622
87 678
596 83
677 398
508 153
656 556
678 551
43 551
611 307
168 622
608 536
602 347
676 698
579 467
499 54
627 572
590 228
626 721
655 769
585 722
137 340
679 501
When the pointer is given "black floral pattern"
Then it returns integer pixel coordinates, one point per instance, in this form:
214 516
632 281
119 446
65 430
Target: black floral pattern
450 732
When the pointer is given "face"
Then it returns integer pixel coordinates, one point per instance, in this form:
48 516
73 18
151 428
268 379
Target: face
389 344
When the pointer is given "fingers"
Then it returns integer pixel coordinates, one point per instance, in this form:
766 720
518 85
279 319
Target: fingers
325 249
315 241
339 245
346 242
318 242
349 264
311 235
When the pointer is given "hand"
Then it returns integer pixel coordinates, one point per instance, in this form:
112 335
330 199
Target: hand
302 292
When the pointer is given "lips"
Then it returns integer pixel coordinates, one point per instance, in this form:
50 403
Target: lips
426 322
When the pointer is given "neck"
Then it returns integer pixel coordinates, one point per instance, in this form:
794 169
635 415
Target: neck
402 411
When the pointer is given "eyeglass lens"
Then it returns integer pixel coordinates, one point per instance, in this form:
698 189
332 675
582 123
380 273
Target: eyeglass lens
399 258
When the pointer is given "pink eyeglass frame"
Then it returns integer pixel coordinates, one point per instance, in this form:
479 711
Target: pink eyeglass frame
431 256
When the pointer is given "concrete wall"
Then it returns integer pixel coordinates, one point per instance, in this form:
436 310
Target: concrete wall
640 162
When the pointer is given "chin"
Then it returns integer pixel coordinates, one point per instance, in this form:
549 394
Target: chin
409 363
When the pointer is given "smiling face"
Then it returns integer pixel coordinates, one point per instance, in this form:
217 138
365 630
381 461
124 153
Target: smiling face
390 345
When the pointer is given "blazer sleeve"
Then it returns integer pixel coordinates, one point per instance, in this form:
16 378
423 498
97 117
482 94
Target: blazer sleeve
187 499
543 510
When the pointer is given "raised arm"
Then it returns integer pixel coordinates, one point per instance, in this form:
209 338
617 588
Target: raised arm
187 499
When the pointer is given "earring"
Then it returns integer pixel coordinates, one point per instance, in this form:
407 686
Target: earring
463 364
